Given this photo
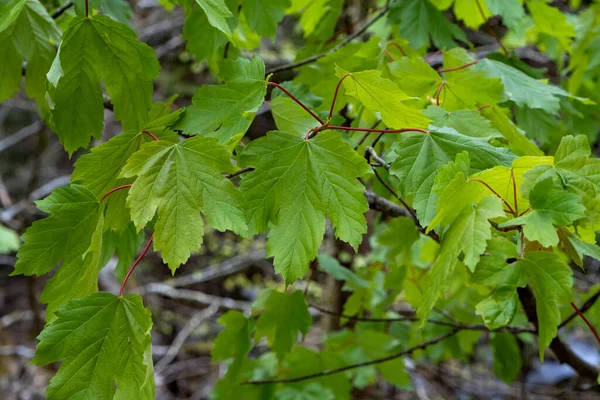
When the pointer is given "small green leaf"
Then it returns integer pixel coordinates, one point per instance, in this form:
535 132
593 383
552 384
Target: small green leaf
507 357
284 317
226 111
234 340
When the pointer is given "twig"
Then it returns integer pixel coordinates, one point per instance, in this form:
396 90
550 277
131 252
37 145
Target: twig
586 306
376 157
366 135
335 94
181 337
301 104
61 10
240 172
354 366
333 49
135 264
489 28
584 318
457 68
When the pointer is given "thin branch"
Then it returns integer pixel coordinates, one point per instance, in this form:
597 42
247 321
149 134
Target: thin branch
301 104
192 324
333 49
135 265
196 296
586 306
61 10
584 318
354 366
371 151
240 172
21 135
366 135
391 57
432 55
411 317
489 28
152 135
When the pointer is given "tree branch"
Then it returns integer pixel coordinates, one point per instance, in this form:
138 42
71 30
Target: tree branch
411 317
333 49
61 10
562 352
354 366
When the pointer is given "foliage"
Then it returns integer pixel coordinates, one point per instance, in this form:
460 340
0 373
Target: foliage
488 206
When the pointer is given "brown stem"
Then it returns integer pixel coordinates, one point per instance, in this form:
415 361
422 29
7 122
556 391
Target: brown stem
586 306
587 322
349 128
495 193
111 191
457 68
87 7
438 92
337 89
429 57
489 28
240 172
398 46
152 135
135 265
291 96
387 53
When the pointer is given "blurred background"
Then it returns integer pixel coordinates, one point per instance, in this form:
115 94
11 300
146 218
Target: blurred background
229 272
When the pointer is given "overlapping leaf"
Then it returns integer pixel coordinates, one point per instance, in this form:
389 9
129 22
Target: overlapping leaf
92 49
420 156
226 111
177 181
295 185
27 32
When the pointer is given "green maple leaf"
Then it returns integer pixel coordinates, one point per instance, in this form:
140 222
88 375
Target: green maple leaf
507 356
27 32
290 117
521 88
333 267
234 340
467 122
551 281
420 20
178 181
399 250
500 307
420 156
382 95
106 346
414 76
94 48
202 39
217 14
99 171
263 16
321 76
468 234
226 111
295 185
67 234
285 316
549 208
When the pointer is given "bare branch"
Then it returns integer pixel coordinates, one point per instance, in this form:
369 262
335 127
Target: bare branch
354 366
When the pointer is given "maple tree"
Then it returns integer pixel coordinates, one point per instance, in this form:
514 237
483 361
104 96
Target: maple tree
480 172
